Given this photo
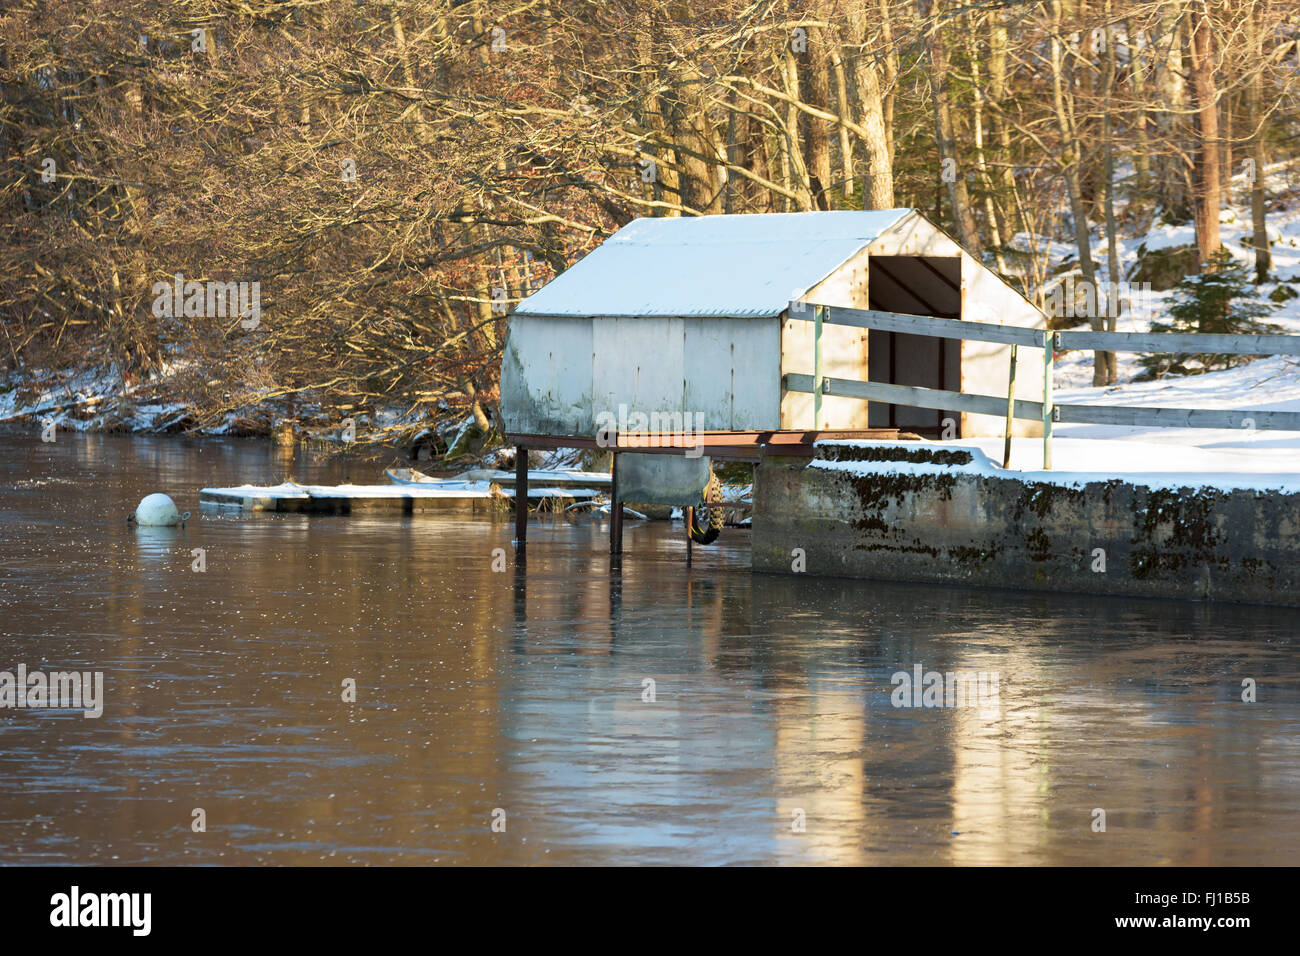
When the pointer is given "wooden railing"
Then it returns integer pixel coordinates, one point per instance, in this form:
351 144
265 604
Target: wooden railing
1046 411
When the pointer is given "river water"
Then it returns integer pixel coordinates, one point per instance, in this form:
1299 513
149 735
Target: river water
522 697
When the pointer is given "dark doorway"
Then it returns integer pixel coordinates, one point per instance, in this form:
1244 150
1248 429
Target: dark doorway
915 285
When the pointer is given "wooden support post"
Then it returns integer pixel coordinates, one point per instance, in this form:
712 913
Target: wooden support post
893 378
690 541
943 383
1048 345
819 312
1011 410
615 511
521 500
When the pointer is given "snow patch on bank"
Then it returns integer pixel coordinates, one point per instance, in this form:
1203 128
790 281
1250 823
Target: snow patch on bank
1073 372
1079 462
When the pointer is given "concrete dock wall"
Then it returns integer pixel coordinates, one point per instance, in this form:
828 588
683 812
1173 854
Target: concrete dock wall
932 514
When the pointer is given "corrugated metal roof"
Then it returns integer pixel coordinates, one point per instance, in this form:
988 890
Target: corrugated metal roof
710 265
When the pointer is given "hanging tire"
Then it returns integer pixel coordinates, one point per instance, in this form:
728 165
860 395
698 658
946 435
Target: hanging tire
707 521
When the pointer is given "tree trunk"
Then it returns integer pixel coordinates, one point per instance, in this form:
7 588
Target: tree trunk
1142 158
1070 170
1225 147
690 129
1081 89
1171 184
792 165
845 113
890 67
1255 111
958 196
737 144
1007 223
878 184
814 86
1205 196
977 128
760 198
1113 301
664 182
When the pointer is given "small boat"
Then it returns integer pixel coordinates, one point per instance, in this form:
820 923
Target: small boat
409 476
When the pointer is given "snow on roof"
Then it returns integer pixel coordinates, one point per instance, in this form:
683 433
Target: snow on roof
741 266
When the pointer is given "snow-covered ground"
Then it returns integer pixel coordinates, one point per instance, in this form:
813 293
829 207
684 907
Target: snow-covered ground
1214 456
1077 462
1165 461
1208 454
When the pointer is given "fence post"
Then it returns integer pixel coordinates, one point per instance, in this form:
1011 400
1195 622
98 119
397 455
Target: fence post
1011 409
818 312
1047 399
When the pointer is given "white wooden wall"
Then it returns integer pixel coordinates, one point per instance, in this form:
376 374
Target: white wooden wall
844 350
985 365
559 374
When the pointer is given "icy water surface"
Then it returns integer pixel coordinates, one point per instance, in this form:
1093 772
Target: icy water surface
519 695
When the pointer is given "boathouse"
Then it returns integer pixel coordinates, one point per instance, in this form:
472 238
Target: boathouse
707 316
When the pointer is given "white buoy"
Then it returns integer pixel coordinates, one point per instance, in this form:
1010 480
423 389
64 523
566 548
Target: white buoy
158 511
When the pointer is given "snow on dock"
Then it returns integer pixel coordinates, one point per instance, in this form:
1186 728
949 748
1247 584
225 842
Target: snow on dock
1081 461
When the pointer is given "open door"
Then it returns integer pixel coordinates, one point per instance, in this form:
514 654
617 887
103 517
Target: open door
915 285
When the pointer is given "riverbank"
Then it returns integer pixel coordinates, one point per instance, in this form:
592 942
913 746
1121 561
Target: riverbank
98 400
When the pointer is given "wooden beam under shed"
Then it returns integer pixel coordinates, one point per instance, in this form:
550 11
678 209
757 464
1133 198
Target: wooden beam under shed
744 445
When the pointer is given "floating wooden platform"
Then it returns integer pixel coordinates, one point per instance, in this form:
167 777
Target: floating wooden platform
452 497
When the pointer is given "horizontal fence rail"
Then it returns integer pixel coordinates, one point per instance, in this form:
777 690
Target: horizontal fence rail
1177 417
938 328
1136 415
1180 343
915 395
1045 411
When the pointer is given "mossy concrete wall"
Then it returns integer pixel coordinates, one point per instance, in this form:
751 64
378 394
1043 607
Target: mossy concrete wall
900 513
